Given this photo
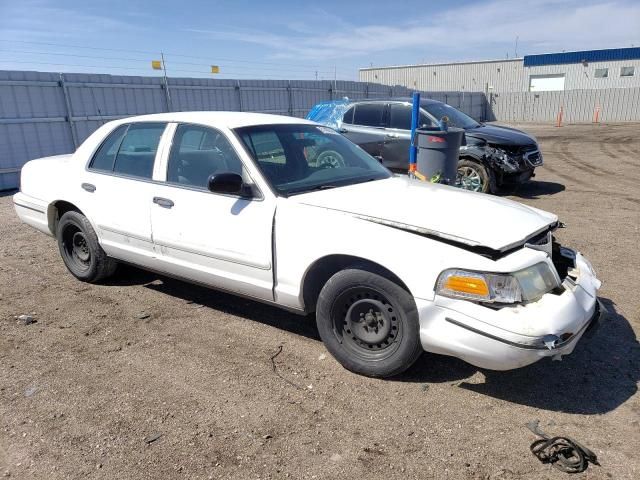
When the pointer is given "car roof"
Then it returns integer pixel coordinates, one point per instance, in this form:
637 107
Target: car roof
423 101
218 119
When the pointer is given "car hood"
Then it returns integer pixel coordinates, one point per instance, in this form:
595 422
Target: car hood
475 219
498 135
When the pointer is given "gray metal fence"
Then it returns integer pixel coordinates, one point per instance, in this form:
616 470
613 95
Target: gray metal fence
578 106
43 113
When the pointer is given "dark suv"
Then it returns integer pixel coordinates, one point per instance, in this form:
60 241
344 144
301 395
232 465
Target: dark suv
490 157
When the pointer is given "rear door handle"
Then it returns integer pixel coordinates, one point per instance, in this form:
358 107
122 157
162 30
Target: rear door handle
89 187
343 130
163 202
392 136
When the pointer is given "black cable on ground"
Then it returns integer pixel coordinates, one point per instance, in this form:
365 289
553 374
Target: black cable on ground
564 453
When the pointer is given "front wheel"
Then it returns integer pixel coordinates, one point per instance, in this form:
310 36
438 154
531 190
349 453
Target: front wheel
330 159
474 176
80 250
368 323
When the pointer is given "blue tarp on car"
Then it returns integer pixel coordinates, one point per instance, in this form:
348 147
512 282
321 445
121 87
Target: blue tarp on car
329 113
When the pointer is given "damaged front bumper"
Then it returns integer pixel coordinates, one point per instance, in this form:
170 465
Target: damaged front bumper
524 159
514 336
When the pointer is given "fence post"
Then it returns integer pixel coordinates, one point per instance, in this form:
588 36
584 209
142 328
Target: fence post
67 103
239 95
290 98
331 91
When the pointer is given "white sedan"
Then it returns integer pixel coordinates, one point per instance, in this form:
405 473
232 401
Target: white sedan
289 212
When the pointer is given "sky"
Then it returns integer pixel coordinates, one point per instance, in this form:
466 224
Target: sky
298 39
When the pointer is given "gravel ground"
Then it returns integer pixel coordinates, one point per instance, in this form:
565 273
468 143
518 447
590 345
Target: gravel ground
146 377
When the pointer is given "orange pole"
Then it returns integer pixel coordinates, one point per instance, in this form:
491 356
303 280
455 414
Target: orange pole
596 116
559 119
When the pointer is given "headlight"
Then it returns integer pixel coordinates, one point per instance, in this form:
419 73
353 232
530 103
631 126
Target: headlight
523 286
508 163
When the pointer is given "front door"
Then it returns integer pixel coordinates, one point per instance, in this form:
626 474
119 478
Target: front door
215 239
364 125
395 150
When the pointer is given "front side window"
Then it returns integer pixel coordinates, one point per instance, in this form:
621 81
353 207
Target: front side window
400 117
199 152
602 72
456 117
627 71
301 158
348 117
369 114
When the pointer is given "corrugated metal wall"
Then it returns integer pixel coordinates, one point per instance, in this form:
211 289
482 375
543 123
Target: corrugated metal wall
579 106
501 75
45 114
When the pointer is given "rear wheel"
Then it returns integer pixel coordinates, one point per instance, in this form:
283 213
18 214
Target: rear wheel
473 176
80 250
368 323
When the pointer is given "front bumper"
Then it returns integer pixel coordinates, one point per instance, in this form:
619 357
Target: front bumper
513 337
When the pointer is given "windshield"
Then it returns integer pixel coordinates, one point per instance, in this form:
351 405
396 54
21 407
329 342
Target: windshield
302 158
456 117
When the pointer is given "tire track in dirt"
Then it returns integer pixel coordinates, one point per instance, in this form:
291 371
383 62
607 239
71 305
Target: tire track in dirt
565 176
574 160
621 196
619 155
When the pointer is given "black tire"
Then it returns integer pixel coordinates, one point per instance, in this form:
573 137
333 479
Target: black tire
82 254
368 323
473 170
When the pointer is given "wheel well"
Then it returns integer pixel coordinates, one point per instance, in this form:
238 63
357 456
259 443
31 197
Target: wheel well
326 267
55 212
472 158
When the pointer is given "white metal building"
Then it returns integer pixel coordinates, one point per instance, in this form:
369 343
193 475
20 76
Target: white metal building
592 69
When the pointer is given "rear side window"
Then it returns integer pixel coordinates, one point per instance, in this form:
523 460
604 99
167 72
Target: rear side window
138 150
348 117
106 154
129 150
369 114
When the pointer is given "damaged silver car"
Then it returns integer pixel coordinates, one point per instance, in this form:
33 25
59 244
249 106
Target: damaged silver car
491 156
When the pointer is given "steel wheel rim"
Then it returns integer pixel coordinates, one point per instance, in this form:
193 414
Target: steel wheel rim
469 179
76 248
330 159
366 323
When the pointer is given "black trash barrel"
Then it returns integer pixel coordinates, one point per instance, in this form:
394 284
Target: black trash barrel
438 152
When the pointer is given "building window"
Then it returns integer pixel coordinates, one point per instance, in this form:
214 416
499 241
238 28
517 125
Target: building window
602 72
627 71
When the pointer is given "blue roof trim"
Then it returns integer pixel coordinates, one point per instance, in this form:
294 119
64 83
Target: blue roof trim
611 54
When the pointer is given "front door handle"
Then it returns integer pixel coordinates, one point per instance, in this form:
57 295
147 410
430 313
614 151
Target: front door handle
392 136
163 202
89 187
343 130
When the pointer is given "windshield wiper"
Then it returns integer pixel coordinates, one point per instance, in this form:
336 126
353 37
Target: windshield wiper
311 189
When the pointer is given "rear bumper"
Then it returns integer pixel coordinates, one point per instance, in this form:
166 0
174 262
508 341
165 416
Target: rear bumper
32 211
513 337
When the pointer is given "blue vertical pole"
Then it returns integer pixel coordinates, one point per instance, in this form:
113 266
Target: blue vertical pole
413 147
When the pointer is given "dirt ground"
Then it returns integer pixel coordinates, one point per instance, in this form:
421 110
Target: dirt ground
146 377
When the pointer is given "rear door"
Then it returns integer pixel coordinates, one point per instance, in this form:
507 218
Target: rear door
118 186
364 124
397 139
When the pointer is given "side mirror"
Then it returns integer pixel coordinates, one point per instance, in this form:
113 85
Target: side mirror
230 183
